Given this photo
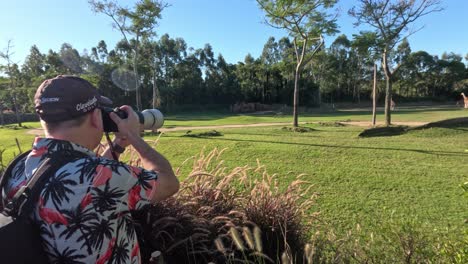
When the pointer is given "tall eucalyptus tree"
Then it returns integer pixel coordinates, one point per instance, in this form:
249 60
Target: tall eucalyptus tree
306 22
143 19
390 20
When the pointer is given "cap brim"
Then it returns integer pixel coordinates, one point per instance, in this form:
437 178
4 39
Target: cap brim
104 100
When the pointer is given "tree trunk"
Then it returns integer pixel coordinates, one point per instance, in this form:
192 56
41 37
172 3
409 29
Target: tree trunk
17 112
388 88
374 97
296 98
358 94
388 101
137 85
319 97
2 118
156 97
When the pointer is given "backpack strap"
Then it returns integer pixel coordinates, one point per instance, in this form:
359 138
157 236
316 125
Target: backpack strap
24 200
7 173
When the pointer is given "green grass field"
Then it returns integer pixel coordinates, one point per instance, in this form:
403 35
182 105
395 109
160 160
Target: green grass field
413 177
359 180
423 114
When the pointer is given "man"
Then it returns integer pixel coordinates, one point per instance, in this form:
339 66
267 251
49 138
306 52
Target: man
83 210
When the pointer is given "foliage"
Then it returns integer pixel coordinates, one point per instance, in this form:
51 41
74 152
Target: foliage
391 21
306 22
143 18
187 78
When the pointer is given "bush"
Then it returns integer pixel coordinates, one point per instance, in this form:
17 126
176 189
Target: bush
227 216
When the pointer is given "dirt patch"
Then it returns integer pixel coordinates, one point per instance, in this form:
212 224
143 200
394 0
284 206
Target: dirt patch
36 131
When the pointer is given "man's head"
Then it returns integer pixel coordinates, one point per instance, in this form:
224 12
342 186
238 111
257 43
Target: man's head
66 97
69 102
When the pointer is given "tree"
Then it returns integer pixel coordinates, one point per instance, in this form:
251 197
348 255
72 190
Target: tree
306 22
143 18
71 59
100 52
163 56
34 65
340 49
270 56
11 69
390 20
53 64
249 82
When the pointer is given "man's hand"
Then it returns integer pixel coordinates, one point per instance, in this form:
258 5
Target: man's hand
128 128
129 134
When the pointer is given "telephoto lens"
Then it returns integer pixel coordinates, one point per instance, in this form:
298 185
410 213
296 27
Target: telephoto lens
151 119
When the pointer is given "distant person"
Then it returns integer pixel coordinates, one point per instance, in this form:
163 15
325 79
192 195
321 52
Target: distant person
84 209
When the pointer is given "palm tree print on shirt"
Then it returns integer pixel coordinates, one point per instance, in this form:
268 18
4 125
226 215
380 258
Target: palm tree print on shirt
84 210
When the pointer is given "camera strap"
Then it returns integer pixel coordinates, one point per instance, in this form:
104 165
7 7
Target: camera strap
111 146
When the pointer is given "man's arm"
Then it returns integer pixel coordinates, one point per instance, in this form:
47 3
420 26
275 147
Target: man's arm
129 134
167 183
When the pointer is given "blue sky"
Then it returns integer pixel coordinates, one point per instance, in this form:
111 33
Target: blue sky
234 28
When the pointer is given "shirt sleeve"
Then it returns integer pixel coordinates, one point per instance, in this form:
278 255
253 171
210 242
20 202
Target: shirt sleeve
142 187
137 184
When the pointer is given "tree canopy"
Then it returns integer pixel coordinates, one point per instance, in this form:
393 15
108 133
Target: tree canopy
176 77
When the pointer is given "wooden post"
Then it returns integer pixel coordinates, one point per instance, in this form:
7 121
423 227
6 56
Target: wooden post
18 145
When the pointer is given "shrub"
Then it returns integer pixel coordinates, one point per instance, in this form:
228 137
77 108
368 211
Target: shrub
227 216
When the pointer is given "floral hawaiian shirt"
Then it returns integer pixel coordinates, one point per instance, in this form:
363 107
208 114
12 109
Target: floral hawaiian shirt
84 209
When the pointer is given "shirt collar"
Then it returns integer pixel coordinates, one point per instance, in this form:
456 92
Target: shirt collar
52 145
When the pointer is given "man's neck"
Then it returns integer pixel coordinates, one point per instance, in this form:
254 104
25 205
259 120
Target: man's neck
76 136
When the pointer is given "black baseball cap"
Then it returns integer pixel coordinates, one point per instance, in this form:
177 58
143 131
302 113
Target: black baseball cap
66 97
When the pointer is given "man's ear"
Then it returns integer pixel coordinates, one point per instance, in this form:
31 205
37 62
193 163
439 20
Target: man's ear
96 119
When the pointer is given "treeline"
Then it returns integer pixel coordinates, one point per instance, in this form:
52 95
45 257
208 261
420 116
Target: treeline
172 75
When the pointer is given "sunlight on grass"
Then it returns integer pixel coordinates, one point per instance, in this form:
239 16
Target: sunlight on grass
368 181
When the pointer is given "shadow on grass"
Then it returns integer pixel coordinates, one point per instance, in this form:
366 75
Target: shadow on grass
430 152
211 133
384 131
15 127
279 134
453 123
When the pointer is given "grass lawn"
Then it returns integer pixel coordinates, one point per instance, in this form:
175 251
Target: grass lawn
423 114
413 177
9 133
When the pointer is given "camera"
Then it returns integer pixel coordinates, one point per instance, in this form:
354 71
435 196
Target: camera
150 118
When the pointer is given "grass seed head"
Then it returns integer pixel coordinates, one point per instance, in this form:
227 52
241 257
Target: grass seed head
249 238
236 238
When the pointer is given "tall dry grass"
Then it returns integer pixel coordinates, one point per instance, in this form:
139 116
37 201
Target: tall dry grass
221 215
